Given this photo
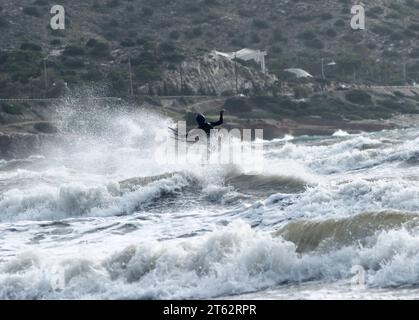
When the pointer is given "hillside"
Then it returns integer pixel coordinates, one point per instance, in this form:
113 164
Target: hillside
159 35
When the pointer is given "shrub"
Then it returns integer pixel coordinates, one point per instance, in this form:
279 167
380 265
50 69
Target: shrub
167 47
117 81
307 35
347 63
397 36
145 58
412 3
339 23
57 33
197 32
74 63
303 17
254 38
11 109
147 12
174 35
191 8
314 43
113 3
358 97
414 53
145 73
41 3
381 29
391 54
326 16
174 57
32 11
414 27
330 33
30 47
277 36
127 43
399 94
73 50
91 43
261 24
3 22
238 42
375 11
211 2
3 57
301 92
92 75
98 48
245 13
55 42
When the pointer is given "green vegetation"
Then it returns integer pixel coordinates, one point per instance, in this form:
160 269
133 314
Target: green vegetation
3 23
30 46
261 24
32 11
314 43
301 92
41 3
178 29
358 97
147 12
73 50
307 35
98 48
375 12
73 63
11 109
113 3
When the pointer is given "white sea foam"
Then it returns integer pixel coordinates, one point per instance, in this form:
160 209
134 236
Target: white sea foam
70 229
230 260
340 133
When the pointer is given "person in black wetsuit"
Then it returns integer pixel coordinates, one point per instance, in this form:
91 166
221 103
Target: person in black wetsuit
203 124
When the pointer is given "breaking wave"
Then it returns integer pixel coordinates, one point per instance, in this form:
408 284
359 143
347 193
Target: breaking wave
231 260
117 224
309 235
75 200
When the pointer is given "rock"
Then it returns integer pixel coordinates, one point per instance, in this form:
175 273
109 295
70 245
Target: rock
211 75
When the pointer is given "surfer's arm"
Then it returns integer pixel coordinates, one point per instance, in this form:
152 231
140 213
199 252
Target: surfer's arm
219 122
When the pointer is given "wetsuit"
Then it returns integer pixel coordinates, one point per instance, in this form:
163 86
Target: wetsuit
208 126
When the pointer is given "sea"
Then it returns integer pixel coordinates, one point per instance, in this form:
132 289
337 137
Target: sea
99 217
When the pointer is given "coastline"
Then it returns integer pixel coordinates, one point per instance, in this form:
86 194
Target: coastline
24 139
25 129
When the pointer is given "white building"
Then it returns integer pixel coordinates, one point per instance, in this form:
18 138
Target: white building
299 73
247 54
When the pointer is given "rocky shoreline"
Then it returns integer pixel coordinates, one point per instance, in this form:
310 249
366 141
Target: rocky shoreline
31 129
22 140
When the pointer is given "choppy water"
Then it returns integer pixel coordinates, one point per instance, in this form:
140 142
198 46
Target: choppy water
70 229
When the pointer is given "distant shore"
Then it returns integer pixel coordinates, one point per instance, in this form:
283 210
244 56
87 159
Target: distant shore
26 129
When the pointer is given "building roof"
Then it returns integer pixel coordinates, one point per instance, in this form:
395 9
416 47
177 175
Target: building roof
244 54
300 73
